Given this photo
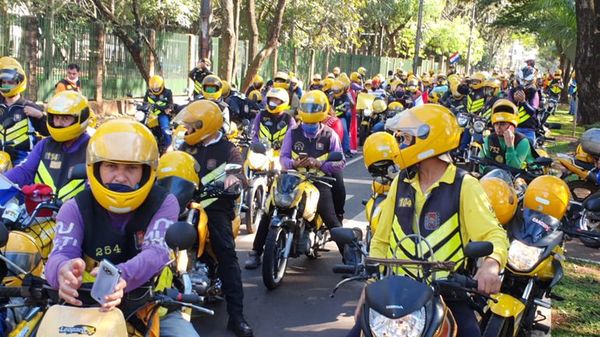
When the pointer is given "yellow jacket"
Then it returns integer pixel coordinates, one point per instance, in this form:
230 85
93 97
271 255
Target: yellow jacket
477 219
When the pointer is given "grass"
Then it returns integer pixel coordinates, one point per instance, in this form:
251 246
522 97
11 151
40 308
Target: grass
565 140
579 313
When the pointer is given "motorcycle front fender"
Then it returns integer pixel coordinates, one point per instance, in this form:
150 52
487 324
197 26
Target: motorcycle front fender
558 273
507 306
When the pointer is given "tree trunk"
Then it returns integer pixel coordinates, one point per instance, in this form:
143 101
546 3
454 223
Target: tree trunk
227 46
253 28
101 42
31 53
586 61
205 16
275 57
272 45
151 55
236 25
564 95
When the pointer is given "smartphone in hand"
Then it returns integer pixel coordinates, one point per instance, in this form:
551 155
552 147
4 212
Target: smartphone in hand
106 280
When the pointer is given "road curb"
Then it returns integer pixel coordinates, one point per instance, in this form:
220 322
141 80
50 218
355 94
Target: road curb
579 259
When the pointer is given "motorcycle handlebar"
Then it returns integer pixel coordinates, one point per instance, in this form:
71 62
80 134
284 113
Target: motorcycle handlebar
12 292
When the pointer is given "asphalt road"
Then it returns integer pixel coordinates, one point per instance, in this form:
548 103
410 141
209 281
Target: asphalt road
301 306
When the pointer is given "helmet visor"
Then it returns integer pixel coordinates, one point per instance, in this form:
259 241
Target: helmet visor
210 89
312 107
500 174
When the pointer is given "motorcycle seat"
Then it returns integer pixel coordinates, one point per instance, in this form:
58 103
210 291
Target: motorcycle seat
592 203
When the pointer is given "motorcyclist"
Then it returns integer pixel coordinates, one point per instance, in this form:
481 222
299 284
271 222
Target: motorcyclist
198 74
71 82
556 86
122 217
161 98
341 102
51 159
506 145
257 84
254 104
211 149
317 141
527 100
444 204
212 90
235 103
315 83
273 123
453 99
476 96
27 116
379 111
412 92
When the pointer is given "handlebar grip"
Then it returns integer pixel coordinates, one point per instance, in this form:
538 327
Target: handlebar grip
10 292
191 298
465 281
344 269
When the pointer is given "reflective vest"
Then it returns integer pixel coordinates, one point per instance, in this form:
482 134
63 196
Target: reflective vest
273 127
438 223
160 102
317 148
523 115
54 167
475 103
69 85
340 107
20 132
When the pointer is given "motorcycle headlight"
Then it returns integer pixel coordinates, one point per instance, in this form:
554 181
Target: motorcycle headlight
139 116
523 257
367 112
479 126
462 120
257 161
284 200
411 325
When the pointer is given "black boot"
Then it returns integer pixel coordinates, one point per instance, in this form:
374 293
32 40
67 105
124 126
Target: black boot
240 327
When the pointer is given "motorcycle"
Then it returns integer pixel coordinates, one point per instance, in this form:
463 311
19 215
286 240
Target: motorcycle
402 306
147 114
261 167
295 227
367 121
203 260
477 127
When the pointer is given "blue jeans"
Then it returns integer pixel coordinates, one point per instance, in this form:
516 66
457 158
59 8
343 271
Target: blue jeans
379 126
165 129
572 106
346 140
174 325
529 133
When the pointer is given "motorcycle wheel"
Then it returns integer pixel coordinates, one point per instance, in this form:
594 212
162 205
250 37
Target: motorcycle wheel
254 200
497 326
588 242
274 264
581 189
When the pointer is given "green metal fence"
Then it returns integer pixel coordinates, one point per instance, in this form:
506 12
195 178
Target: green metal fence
60 43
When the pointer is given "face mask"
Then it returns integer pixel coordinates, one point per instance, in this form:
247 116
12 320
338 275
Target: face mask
403 146
120 188
310 129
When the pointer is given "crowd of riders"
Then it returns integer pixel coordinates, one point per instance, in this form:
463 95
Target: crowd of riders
120 214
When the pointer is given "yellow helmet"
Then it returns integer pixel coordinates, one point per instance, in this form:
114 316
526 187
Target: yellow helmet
362 71
106 145
380 149
583 156
502 197
22 249
226 89
548 195
426 80
281 80
558 74
379 106
454 82
257 81
478 76
11 71
212 87
327 84
255 96
493 85
432 129
68 103
203 117
336 71
345 81
156 84
505 111
280 94
434 97
355 77
314 107
395 107
177 172
337 88
412 85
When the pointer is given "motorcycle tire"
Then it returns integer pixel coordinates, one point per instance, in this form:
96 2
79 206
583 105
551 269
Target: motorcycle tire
497 326
254 201
274 265
579 189
589 242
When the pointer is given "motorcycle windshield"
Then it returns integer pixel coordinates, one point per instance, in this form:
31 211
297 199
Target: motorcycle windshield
27 261
286 183
182 189
536 226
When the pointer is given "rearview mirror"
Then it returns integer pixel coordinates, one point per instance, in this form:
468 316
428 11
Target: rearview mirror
258 147
77 172
335 156
181 235
477 249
